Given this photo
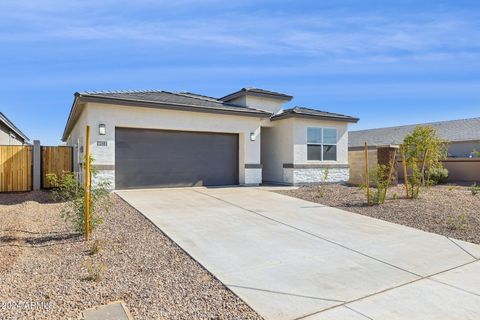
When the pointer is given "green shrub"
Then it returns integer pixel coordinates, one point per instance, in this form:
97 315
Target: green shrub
379 177
95 270
457 222
67 189
423 151
95 248
474 189
438 175
321 191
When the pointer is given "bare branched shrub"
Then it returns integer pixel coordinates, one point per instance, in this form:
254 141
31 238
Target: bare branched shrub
68 189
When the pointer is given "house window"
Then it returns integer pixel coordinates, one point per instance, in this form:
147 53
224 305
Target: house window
321 144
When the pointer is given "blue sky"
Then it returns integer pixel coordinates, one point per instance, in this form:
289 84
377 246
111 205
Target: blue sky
387 62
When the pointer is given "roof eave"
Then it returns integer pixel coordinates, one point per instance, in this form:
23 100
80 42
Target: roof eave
83 98
312 116
173 106
12 127
67 130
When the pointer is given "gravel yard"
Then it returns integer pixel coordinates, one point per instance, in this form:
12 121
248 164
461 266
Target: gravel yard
41 261
448 210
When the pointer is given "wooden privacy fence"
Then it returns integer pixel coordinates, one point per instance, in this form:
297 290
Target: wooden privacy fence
15 168
55 160
24 168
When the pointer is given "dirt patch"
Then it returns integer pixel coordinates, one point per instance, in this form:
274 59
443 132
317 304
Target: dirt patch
447 210
42 261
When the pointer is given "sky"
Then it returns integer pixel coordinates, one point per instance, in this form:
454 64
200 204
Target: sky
386 62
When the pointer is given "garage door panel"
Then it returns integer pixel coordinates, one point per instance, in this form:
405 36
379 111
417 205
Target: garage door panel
161 158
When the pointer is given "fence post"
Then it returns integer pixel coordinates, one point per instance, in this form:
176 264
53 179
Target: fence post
87 185
37 159
367 177
404 165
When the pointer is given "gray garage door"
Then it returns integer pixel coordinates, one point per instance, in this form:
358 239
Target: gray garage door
161 158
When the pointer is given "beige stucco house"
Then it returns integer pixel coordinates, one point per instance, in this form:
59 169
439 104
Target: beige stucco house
144 139
10 134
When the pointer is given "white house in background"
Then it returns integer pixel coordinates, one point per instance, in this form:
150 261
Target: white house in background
145 139
9 133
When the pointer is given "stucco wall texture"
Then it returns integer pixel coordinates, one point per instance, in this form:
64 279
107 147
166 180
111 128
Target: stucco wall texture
134 117
275 143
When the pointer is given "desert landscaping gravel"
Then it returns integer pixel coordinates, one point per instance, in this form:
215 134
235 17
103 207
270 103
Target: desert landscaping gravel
43 267
444 209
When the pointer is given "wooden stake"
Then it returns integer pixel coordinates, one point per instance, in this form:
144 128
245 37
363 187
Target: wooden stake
87 185
367 178
390 172
423 166
404 164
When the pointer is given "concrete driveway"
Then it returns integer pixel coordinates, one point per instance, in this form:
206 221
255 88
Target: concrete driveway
293 259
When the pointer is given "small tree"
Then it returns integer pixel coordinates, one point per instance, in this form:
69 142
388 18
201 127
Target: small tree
321 190
380 178
424 150
69 190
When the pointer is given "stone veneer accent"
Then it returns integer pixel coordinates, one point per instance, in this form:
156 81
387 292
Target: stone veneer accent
104 174
253 176
314 174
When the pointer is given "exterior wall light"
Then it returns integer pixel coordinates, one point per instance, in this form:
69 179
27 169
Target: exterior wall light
252 136
102 129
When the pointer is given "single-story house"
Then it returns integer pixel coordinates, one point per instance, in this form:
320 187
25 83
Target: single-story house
10 134
463 136
144 139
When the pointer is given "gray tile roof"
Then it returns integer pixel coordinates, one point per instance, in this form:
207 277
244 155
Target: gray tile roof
309 112
9 124
186 101
256 91
165 97
192 102
454 130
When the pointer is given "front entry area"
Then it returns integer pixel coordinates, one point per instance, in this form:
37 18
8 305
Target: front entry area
146 158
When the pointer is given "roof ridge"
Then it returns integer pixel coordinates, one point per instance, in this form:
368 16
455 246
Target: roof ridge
418 124
318 110
218 102
188 96
244 90
223 103
304 111
120 91
197 96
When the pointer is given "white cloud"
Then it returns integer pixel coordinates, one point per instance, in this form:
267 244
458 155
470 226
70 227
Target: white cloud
343 37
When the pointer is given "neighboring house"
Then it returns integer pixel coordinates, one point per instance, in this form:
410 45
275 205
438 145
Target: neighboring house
142 139
463 136
10 134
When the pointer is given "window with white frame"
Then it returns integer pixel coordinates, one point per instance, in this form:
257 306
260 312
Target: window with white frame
321 144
